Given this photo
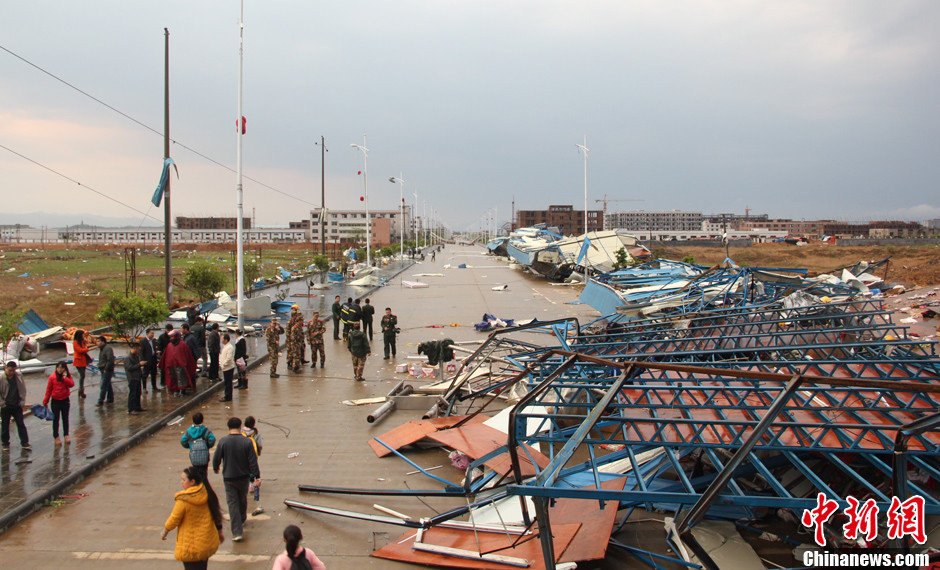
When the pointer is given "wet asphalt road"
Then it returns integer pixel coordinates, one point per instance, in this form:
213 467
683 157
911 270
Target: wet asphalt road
95 429
117 522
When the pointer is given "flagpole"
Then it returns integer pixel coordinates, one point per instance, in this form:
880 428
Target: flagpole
167 235
239 223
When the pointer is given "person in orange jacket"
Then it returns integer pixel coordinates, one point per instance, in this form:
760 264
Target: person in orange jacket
80 360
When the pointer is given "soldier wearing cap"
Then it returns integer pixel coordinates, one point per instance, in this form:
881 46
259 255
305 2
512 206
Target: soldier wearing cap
273 336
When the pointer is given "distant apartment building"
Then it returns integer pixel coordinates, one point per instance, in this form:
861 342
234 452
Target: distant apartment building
813 229
350 225
669 221
564 217
301 225
212 223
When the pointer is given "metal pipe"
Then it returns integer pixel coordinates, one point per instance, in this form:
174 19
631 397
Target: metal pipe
389 406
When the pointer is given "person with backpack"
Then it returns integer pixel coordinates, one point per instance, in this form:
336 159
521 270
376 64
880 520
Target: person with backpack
198 439
296 557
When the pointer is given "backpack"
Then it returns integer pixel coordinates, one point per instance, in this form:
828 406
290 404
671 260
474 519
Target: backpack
301 562
199 451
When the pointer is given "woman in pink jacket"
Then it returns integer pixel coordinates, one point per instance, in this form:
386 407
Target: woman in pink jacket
58 390
292 538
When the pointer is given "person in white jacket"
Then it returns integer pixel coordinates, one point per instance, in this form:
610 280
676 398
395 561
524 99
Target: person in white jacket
227 364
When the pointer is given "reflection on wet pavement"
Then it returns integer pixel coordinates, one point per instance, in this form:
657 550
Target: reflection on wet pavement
95 429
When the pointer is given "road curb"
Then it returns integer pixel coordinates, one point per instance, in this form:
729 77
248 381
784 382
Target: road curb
35 502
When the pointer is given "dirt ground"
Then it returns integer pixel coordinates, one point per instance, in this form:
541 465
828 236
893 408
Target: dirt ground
911 266
68 286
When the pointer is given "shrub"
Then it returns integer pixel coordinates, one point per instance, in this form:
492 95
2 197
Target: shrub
204 279
130 316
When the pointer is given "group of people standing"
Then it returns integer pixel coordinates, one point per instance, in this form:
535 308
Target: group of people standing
351 314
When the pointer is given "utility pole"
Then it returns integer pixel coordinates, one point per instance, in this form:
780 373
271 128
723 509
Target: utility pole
584 149
322 196
239 222
167 247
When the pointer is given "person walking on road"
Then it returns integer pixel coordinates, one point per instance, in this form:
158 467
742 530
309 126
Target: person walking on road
251 432
315 331
295 340
198 439
148 354
132 367
295 554
358 346
337 310
389 331
273 336
213 347
236 454
227 363
12 400
197 519
106 367
241 359
368 312
80 359
58 391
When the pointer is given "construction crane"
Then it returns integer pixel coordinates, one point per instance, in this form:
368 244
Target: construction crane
606 199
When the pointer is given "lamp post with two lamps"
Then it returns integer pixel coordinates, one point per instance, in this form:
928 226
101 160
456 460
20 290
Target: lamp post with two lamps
365 181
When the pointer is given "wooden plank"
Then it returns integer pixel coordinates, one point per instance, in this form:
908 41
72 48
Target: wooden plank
416 430
400 549
476 440
590 542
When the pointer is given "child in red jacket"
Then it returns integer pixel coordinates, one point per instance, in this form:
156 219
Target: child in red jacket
58 391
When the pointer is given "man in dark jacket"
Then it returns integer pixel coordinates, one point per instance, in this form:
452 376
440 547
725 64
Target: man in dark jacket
162 341
106 366
241 352
192 311
133 367
214 347
236 454
358 346
337 308
368 311
389 331
199 331
148 354
12 400
190 339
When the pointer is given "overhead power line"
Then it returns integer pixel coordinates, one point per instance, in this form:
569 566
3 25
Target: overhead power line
148 127
70 179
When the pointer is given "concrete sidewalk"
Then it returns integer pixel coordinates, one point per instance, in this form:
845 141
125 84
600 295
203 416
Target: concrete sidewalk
113 519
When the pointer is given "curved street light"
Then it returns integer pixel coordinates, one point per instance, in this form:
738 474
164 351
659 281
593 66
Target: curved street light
401 214
365 180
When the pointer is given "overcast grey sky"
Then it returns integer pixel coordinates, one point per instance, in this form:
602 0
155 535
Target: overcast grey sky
801 109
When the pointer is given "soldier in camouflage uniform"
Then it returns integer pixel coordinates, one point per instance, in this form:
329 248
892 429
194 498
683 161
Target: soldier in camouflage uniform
273 335
315 330
295 339
358 345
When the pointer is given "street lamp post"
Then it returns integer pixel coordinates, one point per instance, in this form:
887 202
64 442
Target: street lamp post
401 215
365 181
414 218
584 149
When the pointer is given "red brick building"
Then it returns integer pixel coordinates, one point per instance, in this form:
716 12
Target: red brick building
568 220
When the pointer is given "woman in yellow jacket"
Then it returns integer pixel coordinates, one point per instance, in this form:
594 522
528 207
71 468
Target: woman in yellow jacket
198 520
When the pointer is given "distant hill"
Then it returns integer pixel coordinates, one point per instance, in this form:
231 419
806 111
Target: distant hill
61 220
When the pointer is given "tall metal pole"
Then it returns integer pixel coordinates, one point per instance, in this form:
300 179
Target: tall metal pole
239 238
365 182
322 196
167 247
424 222
414 218
585 150
401 214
